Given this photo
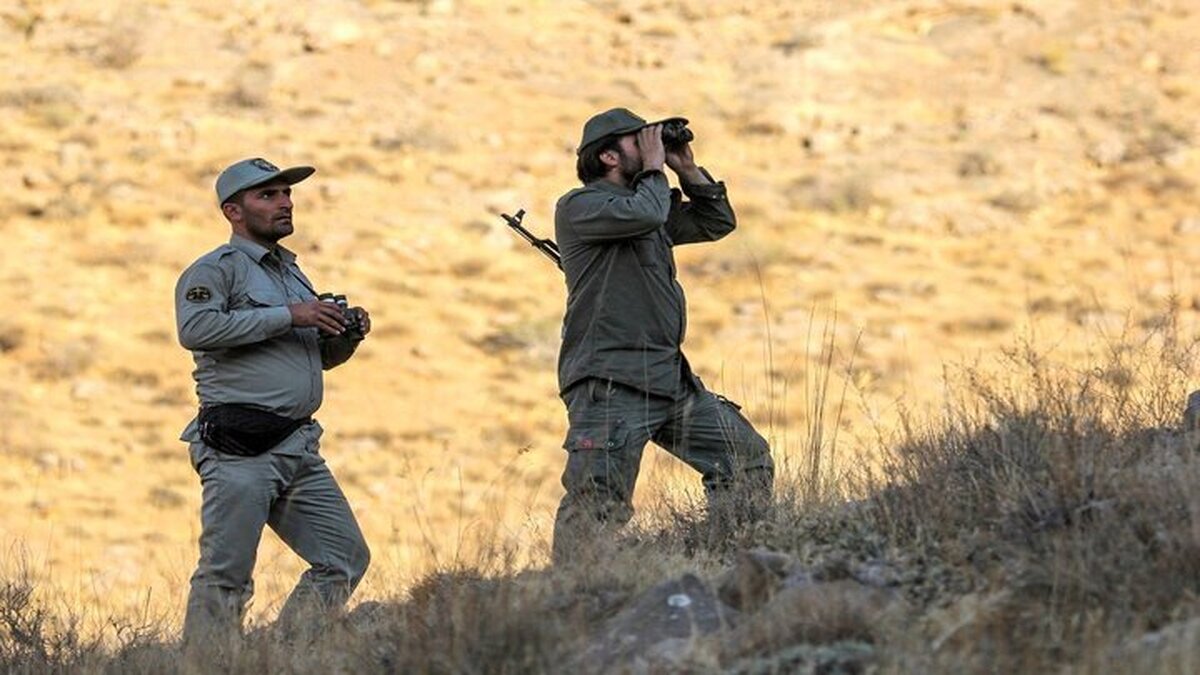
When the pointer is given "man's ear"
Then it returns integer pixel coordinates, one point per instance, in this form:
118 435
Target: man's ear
232 211
610 158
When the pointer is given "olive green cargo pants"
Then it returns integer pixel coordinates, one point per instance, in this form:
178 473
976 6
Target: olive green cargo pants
610 424
290 489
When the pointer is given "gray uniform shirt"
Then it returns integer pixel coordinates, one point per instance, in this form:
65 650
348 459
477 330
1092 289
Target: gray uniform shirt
626 313
231 312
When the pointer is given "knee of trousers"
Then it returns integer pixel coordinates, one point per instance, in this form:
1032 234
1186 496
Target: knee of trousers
356 560
226 565
750 458
599 505
349 566
359 562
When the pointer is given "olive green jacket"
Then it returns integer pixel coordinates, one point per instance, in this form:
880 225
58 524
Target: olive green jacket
626 313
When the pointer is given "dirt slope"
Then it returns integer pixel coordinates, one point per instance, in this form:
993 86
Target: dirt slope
940 176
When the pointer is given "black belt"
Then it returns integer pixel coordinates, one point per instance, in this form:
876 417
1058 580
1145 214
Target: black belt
239 429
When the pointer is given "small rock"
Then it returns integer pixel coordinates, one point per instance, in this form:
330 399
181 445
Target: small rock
1152 63
439 7
876 573
1188 225
86 390
752 581
345 33
1159 651
816 613
1108 152
658 625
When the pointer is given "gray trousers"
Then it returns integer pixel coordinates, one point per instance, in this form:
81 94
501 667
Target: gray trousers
610 425
290 489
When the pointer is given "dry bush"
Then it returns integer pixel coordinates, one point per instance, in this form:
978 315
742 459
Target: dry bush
34 639
12 335
67 359
250 85
1060 494
119 44
838 194
52 106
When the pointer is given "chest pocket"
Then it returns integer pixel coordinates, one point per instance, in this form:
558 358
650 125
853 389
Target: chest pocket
262 294
647 250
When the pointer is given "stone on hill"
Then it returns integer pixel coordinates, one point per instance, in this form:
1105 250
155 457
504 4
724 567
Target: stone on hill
657 627
753 579
1169 649
1188 225
813 613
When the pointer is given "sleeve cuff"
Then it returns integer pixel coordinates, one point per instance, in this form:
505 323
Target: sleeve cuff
278 320
649 175
714 190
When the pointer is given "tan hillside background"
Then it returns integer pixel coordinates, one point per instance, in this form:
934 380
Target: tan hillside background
933 182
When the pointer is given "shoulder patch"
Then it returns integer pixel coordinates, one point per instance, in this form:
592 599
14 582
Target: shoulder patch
198 294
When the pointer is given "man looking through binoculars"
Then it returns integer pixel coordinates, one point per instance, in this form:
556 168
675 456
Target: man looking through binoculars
622 372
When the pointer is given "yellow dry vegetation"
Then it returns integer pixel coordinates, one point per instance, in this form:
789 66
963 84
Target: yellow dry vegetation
919 183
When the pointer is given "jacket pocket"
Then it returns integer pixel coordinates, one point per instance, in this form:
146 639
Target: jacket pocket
605 437
202 458
259 296
646 249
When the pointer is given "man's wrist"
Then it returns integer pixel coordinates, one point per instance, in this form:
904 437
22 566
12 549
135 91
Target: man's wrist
692 174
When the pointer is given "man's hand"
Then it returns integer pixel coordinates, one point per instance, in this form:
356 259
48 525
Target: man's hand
364 320
649 140
683 164
324 316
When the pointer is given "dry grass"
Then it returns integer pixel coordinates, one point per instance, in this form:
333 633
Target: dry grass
932 169
1047 520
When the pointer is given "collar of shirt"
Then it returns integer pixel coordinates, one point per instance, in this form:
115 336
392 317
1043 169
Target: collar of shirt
258 251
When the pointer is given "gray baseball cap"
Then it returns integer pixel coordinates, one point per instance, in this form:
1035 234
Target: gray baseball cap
614 122
256 171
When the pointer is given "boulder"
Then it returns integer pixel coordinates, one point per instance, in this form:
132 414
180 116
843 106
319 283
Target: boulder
657 627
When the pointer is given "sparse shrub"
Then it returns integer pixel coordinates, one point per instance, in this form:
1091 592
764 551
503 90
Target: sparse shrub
52 106
1054 58
120 43
833 195
32 638
66 359
1060 490
250 85
976 164
12 335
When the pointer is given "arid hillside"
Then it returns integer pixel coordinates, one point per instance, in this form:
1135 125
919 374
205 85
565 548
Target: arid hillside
928 182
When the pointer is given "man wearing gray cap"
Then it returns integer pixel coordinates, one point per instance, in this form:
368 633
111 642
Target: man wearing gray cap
260 338
621 369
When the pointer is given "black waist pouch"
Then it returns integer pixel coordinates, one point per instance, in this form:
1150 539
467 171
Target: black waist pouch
243 430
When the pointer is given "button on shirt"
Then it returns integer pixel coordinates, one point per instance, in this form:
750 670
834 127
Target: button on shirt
231 312
626 314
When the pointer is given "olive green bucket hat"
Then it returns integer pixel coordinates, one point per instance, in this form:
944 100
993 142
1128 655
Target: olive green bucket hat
615 122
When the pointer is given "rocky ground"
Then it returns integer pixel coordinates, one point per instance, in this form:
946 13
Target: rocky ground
922 183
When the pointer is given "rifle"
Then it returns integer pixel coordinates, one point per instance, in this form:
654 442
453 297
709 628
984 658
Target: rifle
546 246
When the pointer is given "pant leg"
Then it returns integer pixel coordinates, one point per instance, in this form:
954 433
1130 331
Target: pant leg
237 493
313 517
710 434
609 425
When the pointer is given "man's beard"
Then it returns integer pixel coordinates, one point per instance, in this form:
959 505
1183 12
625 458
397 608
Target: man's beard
629 167
268 229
